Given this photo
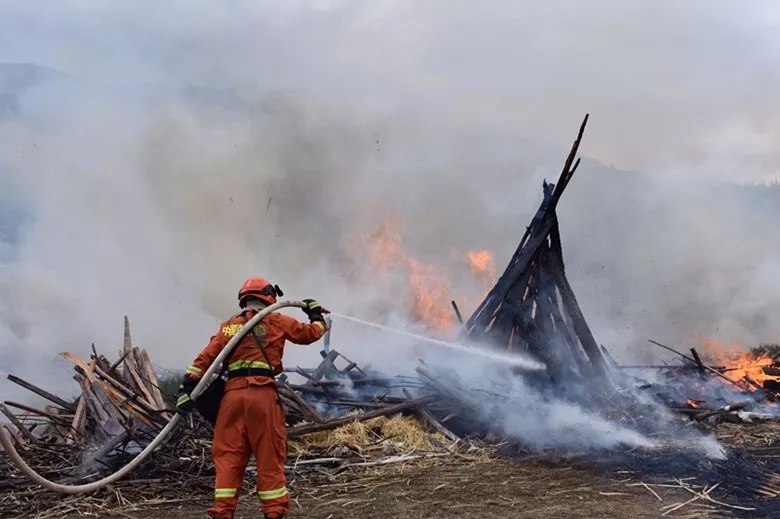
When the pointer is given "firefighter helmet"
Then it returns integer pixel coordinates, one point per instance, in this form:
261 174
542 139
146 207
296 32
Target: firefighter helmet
258 288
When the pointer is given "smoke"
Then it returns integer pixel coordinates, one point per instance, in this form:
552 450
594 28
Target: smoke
153 155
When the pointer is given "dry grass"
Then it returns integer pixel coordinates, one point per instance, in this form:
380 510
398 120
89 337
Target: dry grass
390 435
756 435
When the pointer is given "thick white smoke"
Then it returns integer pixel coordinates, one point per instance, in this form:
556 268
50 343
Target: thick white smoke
154 154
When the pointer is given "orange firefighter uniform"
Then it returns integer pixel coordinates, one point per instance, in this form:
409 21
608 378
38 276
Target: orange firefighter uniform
251 419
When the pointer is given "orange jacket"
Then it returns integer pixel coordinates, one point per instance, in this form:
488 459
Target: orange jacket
272 332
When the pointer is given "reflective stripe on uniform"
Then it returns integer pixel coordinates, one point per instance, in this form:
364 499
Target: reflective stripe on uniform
192 370
320 324
182 399
243 364
224 493
267 495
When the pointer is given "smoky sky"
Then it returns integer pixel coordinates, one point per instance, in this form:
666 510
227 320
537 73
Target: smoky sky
175 148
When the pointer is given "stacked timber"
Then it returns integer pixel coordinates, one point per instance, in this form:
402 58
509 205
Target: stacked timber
532 307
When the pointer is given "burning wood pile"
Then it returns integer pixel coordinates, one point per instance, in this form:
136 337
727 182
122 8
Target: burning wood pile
716 386
532 307
530 310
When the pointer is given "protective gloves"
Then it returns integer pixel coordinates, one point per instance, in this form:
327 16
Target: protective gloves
314 310
184 404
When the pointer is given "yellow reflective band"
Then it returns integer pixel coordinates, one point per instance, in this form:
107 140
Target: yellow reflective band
182 399
320 324
267 495
224 493
192 370
231 329
241 364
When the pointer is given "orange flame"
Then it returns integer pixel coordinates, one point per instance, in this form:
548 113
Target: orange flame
482 265
693 403
738 361
428 284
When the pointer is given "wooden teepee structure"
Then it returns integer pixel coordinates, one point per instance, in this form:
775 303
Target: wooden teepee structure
532 307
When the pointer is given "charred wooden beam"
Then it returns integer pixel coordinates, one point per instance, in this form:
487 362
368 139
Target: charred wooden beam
42 393
17 423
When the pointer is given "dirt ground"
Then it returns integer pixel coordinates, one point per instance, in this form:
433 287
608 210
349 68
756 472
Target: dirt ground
496 489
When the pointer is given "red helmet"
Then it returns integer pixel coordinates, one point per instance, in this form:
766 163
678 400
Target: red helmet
259 288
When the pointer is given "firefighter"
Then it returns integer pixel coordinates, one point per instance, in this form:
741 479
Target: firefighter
251 419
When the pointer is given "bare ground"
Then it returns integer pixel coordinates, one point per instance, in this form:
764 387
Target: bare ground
496 489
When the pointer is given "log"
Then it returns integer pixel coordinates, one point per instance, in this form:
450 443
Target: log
294 432
44 394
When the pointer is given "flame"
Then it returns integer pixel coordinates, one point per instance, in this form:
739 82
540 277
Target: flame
429 285
482 265
738 361
693 403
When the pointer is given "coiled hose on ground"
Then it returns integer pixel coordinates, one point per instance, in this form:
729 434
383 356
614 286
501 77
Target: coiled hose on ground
12 453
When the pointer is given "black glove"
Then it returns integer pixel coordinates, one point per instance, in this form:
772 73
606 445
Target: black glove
314 310
184 404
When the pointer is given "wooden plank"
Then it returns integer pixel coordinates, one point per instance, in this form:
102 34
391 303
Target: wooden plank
153 384
80 418
129 396
40 412
581 327
325 366
127 405
127 357
42 393
138 383
15 435
17 423
104 407
93 406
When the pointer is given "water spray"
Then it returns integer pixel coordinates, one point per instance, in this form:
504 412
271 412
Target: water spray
515 361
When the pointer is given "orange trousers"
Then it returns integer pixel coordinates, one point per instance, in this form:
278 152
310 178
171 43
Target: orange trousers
250 421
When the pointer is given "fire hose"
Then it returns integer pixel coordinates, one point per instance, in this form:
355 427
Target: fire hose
203 384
